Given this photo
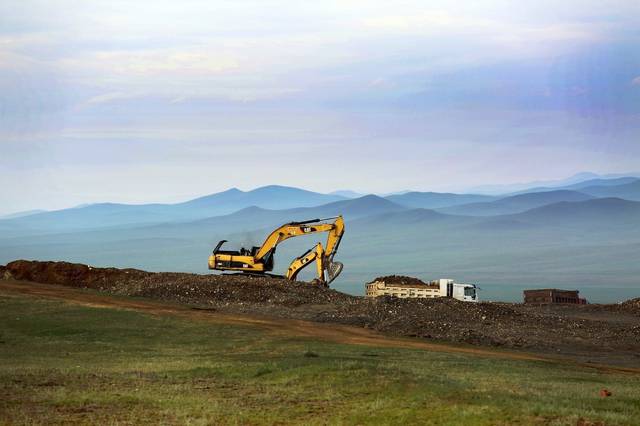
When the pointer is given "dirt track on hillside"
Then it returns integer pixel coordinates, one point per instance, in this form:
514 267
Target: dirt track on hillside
603 334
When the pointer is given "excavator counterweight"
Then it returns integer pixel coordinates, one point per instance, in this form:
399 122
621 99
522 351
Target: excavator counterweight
259 260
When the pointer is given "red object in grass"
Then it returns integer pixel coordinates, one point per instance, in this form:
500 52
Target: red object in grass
605 393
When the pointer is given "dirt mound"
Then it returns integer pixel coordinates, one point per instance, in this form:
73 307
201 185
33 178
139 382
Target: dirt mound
399 279
182 287
586 329
632 305
70 274
441 318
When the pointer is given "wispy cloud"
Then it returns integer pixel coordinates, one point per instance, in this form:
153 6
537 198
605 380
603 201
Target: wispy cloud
108 97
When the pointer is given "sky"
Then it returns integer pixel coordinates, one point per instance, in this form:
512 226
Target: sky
162 101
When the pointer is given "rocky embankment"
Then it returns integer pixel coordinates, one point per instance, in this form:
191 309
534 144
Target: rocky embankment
590 332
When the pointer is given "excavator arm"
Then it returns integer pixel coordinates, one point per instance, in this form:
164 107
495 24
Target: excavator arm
316 253
260 259
327 270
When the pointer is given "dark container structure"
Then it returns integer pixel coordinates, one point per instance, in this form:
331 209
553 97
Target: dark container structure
553 295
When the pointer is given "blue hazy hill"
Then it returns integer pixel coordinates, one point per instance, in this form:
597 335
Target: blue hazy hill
434 200
578 186
628 191
516 203
572 182
105 215
608 212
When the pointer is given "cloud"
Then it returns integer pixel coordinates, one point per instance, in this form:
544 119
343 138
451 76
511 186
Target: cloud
425 21
109 97
382 83
491 31
144 63
636 81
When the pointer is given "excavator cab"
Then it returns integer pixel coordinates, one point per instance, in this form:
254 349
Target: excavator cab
238 259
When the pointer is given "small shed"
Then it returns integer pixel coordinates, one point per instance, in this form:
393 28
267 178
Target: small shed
547 296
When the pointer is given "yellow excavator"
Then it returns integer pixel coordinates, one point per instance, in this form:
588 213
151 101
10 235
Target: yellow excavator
259 260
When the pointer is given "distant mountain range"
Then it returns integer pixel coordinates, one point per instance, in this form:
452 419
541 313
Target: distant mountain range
268 197
516 203
22 213
583 184
537 185
273 197
629 191
594 212
627 188
347 193
111 214
434 200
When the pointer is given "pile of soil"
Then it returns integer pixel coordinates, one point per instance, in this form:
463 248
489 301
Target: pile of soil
584 331
632 305
399 279
175 286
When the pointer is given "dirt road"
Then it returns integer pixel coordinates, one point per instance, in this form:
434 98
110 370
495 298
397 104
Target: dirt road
285 327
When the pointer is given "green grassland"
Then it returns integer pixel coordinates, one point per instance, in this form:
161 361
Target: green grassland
63 363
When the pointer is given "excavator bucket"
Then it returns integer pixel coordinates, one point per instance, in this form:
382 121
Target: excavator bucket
333 270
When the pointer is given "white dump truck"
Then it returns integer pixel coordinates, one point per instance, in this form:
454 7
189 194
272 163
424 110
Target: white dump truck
408 287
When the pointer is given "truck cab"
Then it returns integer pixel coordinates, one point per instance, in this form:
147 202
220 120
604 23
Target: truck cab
459 291
465 292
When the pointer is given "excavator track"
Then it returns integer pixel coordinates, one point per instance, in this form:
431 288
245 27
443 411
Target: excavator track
255 275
